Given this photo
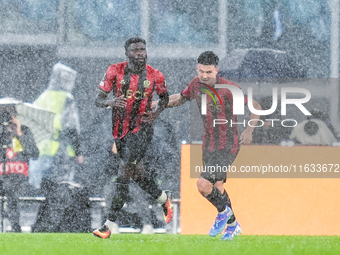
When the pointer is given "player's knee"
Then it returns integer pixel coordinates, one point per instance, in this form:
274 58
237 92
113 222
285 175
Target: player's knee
204 186
219 186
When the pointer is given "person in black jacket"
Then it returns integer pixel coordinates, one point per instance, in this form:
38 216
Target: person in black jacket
17 148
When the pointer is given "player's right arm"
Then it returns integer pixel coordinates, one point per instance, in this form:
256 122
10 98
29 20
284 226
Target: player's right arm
102 102
179 99
105 86
185 95
176 100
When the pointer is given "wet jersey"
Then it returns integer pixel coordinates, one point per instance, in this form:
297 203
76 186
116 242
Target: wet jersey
222 136
138 88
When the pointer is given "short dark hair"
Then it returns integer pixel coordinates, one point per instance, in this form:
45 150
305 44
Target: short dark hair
208 58
133 40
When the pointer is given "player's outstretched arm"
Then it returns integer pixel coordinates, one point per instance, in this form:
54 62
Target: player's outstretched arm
247 135
176 100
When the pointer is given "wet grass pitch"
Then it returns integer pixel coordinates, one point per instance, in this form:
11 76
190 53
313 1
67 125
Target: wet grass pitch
71 244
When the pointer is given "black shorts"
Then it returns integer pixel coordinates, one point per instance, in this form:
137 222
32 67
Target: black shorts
216 164
133 146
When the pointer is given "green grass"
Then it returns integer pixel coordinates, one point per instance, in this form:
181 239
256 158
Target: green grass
71 244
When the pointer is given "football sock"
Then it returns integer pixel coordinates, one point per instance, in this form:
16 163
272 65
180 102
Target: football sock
162 198
226 198
233 224
223 211
215 197
220 201
119 199
149 186
110 224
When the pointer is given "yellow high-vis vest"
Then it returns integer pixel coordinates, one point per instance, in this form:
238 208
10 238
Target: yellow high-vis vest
53 101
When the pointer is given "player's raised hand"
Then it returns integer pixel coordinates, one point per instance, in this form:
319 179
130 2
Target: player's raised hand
118 102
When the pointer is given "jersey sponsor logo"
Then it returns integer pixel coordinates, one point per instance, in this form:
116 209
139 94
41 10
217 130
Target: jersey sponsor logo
214 95
215 108
122 82
14 168
137 95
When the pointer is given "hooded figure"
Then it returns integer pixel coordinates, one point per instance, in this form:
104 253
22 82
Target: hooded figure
65 144
58 156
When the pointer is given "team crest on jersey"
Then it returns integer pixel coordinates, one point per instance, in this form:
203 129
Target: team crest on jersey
122 82
146 83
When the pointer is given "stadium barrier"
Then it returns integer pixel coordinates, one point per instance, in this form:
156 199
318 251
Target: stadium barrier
38 199
269 206
98 201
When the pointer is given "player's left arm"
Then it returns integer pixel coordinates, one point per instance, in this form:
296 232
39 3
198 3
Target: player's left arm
149 117
247 135
163 95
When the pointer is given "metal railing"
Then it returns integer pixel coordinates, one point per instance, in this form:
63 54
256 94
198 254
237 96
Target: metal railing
98 200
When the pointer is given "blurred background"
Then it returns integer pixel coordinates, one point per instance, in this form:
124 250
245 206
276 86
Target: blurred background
254 39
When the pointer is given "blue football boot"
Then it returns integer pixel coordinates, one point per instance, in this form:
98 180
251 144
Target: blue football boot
220 222
231 232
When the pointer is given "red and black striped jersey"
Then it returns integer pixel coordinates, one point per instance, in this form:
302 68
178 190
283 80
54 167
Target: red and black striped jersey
221 136
137 88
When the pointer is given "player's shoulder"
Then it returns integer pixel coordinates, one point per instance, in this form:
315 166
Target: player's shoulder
153 71
117 67
222 80
194 81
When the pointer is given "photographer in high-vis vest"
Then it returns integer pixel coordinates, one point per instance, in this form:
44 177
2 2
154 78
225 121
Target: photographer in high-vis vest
59 154
17 147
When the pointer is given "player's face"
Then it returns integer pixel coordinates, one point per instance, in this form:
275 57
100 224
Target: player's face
207 74
136 53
